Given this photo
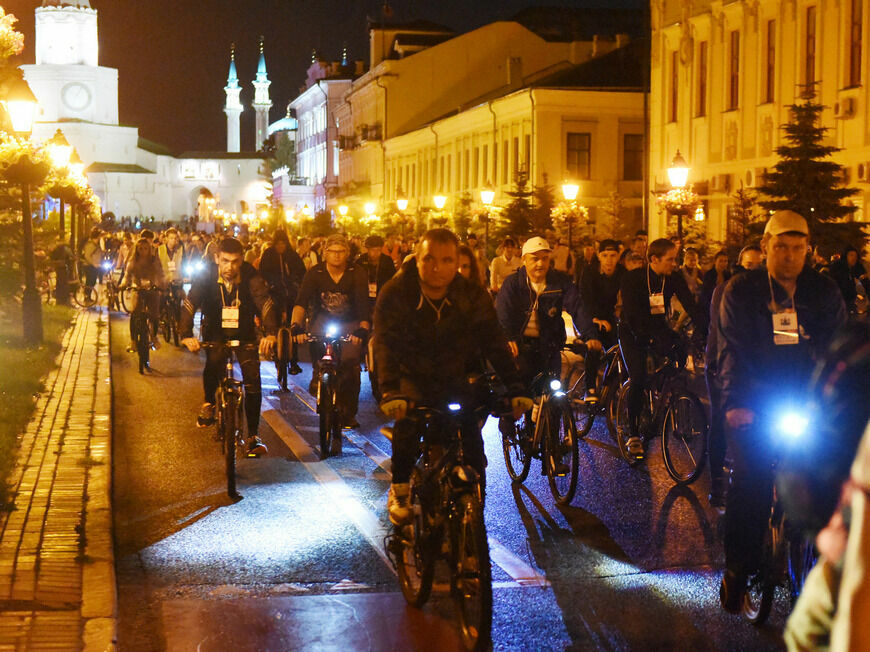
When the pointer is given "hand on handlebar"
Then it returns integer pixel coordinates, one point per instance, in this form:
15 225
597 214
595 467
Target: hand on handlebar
594 345
395 408
603 323
739 417
191 343
520 405
268 345
515 350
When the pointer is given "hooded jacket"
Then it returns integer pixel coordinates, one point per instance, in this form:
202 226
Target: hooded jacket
432 356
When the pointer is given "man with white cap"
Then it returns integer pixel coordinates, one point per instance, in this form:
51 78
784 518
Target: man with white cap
529 306
774 322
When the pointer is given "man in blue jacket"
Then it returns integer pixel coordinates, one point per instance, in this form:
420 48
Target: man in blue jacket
529 306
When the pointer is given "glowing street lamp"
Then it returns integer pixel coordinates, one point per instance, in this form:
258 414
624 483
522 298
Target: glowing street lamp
402 203
570 190
439 200
20 104
342 210
306 210
678 173
487 196
59 149
370 207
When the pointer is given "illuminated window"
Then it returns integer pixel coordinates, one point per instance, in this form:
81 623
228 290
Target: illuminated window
855 18
810 49
770 64
734 71
702 79
675 83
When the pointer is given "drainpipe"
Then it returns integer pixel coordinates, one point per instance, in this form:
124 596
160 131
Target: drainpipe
383 144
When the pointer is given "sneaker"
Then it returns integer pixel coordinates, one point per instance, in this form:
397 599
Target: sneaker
635 447
256 447
155 343
350 424
731 592
295 369
206 415
131 348
591 396
398 503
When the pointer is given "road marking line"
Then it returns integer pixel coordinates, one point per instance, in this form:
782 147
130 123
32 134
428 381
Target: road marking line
366 522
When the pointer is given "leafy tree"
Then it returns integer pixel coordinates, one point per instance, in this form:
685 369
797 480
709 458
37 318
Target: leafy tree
805 180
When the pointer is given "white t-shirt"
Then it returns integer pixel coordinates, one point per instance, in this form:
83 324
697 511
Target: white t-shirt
532 328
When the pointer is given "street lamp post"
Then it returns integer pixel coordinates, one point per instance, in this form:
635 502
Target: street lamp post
60 151
402 205
20 105
487 195
440 200
77 170
678 175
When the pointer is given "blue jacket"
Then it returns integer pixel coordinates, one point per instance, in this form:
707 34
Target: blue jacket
515 299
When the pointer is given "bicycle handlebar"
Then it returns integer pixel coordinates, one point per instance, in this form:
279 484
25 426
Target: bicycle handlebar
230 344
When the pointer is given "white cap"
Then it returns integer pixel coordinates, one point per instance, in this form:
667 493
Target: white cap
534 245
786 221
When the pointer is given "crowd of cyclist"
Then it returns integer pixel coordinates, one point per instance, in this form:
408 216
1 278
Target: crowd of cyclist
440 309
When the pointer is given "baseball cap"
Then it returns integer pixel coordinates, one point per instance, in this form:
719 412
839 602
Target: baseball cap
534 245
609 245
786 221
338 240
374 241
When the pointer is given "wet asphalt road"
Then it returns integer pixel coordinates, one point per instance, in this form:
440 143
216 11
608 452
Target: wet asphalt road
297 564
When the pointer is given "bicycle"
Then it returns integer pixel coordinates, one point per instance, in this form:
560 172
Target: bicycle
327 390
553 438
370 368
787 553
230 419
110 287
672 410
140 326
170 312
447 522
611 375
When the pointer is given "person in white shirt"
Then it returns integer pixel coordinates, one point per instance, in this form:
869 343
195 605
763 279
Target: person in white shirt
504 265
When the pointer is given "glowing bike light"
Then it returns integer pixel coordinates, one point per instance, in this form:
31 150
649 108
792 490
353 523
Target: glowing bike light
107 266
793 425
454 407
555 385
332 330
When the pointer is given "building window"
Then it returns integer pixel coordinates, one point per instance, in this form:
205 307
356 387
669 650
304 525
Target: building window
578 147
702 79
855 19
770 63
527 154
632 157
734 71
449 184
441 178
675 84
484 165
505 162
516 156
466 169
810 49
476 173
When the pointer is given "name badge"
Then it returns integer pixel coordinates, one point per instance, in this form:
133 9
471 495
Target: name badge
171 266
657 304
230 317
785 328
373 290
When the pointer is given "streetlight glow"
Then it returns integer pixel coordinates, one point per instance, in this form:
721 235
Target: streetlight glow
370 208
59 149
570 190
439 201
402 203
20 104
487 195
342 210
678 173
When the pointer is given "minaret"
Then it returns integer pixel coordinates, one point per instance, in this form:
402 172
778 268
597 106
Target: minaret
262 103
233 107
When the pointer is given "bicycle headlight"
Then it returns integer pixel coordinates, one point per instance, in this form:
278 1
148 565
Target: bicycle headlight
199 266
107 266
454 407
793 425
332 330
555 385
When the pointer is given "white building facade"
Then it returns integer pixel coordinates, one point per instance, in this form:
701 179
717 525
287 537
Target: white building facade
131 176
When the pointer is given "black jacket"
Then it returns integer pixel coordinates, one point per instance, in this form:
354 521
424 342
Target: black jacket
752 369
515 300
599 293
636 288
253 297
419 354
282 272
379 272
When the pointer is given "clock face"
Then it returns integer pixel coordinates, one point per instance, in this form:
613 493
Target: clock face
76 96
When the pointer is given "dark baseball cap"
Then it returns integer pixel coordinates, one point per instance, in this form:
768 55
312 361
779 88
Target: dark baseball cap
609 245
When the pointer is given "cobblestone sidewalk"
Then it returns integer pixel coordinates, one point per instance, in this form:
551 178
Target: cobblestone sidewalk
57 578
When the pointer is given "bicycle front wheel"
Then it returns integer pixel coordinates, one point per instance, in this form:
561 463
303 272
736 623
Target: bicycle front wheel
141 340
684 438
231 406
327 416
85 296
621 420
415 562
762 585
516 445
128 299
472 573
563 455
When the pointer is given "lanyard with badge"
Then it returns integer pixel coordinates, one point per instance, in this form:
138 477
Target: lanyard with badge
656 300
229 313
785 320
373 286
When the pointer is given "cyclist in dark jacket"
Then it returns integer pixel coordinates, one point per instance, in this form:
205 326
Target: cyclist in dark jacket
774 322
283 270
230 295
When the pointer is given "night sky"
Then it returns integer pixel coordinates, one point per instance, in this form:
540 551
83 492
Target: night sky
173 55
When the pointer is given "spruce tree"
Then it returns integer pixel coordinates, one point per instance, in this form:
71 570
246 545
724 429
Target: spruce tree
516 217
804 179
545 200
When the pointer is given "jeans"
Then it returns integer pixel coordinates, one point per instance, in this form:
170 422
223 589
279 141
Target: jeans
249 361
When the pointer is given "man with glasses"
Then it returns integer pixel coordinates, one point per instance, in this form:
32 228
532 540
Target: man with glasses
336 292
